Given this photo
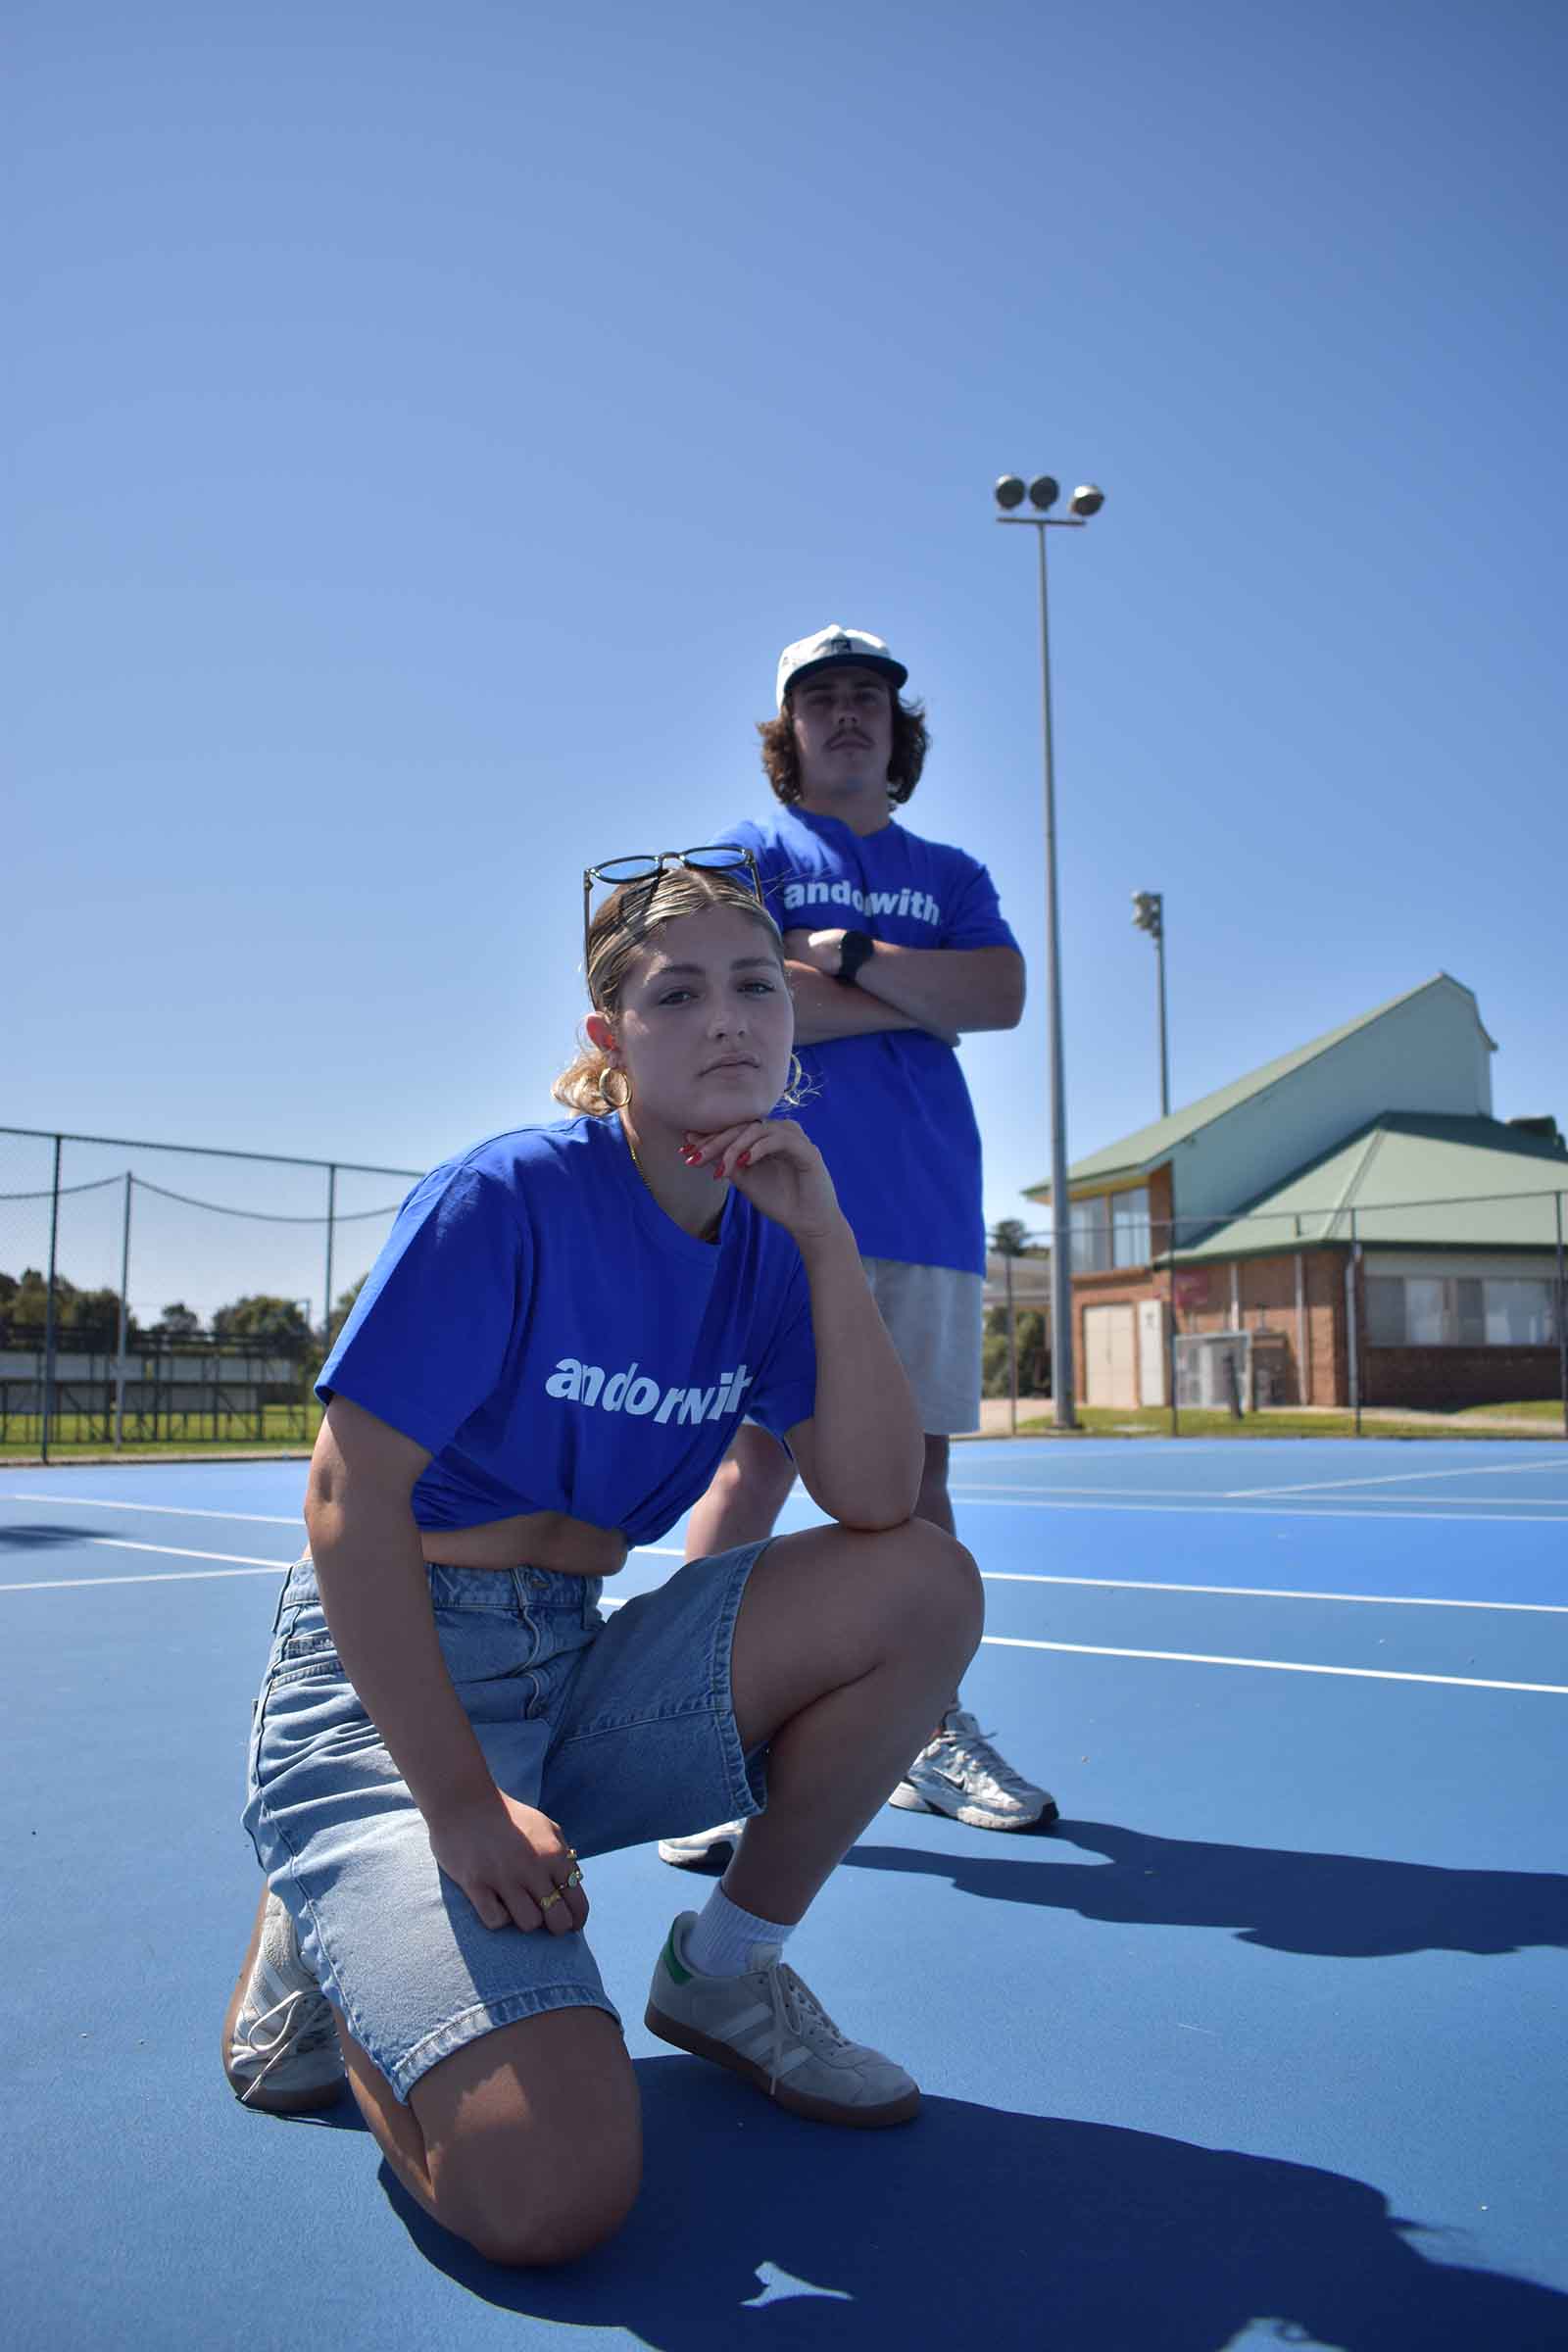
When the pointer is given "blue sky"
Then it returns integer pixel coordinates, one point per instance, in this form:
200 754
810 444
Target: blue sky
430 423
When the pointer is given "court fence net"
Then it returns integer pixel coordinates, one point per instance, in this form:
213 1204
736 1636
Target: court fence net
179 1293
152 1293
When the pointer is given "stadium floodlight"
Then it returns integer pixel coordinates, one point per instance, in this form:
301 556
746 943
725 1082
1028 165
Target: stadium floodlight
1087 500
1148 914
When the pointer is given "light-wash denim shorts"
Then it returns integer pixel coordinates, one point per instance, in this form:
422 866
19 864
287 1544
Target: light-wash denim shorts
619 1726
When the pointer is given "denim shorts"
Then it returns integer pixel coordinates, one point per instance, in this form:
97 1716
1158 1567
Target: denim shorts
619 1726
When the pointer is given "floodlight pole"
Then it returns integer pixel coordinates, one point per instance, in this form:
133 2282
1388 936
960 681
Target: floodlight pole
1063 1387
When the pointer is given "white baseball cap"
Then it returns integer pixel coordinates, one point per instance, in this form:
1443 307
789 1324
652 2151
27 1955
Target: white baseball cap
834 648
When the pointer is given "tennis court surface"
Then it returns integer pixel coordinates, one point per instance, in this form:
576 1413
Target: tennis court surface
1264 2043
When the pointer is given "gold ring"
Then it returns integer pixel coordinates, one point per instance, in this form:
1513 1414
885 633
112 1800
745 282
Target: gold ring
553 1897
575 1879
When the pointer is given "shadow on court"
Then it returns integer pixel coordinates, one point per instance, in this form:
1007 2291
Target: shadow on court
1339 1906
980 2227
37 1538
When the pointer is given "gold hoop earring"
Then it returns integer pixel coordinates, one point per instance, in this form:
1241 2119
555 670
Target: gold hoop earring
794 1091
622 1102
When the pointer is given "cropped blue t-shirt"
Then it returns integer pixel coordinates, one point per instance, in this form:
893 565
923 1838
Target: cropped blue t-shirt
889 1112
558 1343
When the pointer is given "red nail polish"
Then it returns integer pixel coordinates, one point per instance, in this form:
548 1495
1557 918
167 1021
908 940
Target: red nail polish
745 1161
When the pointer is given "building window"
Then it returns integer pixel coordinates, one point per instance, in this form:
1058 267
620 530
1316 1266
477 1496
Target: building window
1418 1311
1129 1227
1110 1230
1091 1234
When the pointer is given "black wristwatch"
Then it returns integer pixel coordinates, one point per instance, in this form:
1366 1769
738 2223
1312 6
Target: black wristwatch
853 949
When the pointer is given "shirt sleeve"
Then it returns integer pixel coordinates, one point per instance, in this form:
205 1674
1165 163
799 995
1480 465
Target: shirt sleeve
785 1389
427 1340
974 917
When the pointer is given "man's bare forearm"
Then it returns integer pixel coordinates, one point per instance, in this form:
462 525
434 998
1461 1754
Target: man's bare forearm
945 988
823 1010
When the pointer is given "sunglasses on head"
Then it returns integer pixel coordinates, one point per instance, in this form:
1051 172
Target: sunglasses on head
709 857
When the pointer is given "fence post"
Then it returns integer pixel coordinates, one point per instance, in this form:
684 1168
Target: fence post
1170 1325
125 1321
1012 1357
49 1318
331 1219
1562 1322
1352 1328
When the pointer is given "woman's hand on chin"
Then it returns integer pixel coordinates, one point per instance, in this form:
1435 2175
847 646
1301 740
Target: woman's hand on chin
775 1166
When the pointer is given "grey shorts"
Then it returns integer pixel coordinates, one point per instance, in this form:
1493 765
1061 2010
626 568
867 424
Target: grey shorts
620 1727
933 1316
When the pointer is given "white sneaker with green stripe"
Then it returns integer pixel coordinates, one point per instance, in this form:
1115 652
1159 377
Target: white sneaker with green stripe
770 2027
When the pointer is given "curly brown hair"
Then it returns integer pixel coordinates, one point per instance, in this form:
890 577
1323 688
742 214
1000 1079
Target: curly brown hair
912 740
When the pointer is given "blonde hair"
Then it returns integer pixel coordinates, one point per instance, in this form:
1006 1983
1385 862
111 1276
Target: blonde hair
622 928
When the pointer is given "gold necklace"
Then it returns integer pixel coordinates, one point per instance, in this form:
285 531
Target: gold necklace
709 1232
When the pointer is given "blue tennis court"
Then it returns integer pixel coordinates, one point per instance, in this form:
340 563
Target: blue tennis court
1263 2042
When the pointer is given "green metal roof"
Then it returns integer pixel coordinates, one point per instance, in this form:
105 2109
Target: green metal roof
1415 1181
1149 1145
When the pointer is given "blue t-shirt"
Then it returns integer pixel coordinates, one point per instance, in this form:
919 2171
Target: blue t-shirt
890 1113
558 1343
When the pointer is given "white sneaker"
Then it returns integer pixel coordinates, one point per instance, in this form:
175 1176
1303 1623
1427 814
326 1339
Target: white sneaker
704 1850
771 2028
961 1774
280 2046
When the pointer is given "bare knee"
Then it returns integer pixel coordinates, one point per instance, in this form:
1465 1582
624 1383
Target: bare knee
950 1581
532 2217
931 1594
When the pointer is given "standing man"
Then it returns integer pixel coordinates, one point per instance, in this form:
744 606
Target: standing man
896 945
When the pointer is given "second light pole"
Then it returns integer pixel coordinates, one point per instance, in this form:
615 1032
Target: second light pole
1043 492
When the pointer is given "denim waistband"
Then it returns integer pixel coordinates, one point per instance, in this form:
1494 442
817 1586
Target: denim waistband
511 1590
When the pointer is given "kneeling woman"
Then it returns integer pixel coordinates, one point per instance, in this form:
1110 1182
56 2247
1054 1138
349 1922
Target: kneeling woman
545 1367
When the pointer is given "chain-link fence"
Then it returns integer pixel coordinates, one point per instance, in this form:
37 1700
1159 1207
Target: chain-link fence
151 1291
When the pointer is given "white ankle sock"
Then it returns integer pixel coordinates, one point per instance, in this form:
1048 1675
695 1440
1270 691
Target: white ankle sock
720 1941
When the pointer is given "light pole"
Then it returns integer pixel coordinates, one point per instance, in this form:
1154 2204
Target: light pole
1043 494
1148 914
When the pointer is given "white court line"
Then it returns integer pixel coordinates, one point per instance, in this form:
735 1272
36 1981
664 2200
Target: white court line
171 1575
1403 1477
245 1564
1185 1658
166 1510
1391 1600
1231 1510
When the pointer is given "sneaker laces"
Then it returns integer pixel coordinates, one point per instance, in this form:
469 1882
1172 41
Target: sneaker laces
797 2009
964 1737
292 2039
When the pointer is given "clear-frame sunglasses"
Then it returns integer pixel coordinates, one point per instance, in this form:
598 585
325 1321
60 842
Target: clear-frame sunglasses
712 857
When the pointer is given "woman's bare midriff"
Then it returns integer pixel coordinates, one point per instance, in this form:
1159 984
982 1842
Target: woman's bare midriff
532 1539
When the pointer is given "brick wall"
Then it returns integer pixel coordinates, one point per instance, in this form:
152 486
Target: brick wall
1444 1379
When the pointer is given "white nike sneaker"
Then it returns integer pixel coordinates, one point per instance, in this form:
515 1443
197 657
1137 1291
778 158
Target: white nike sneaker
280 2046
770 2026
960 1772
704 1850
